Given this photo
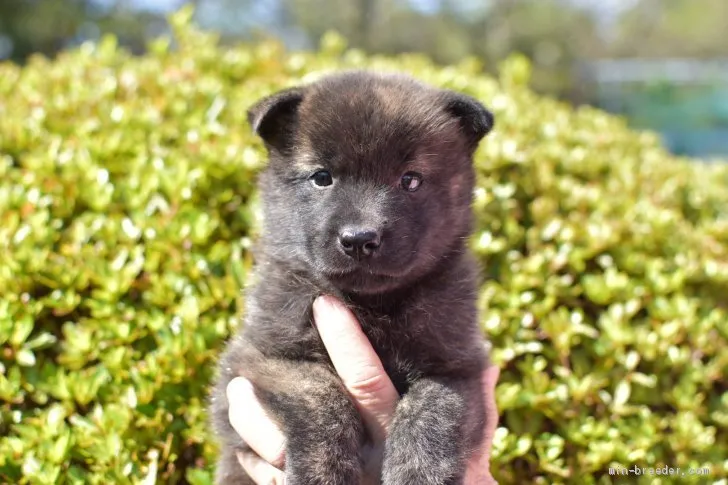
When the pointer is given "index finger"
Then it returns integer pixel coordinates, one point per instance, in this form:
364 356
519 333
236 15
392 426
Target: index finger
357 364
252 423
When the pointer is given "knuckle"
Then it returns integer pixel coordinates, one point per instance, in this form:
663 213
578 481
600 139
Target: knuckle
278 459
369 385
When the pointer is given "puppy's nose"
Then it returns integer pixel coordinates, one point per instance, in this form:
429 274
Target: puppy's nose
359 243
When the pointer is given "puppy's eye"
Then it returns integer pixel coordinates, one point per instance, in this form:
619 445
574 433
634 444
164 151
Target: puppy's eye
322 178
411 181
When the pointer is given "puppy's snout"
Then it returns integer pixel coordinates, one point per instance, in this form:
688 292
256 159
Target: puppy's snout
359 242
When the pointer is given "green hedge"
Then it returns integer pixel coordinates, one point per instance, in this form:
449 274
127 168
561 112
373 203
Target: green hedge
127 205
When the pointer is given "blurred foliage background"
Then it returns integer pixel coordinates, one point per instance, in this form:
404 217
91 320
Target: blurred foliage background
562 38
128 206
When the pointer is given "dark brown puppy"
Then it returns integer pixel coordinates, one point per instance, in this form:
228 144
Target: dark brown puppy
366 197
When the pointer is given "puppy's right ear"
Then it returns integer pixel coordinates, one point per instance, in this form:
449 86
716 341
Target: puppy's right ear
275 117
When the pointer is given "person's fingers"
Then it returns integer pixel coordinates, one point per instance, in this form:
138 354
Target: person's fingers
490 379
478 470
251 422
262 472
357 364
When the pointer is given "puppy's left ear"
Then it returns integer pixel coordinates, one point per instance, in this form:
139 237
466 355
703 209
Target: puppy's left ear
475 120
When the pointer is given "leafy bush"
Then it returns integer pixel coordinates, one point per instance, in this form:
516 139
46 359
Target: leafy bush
127 206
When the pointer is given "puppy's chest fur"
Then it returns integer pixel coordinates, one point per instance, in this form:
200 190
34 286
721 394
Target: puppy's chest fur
428 329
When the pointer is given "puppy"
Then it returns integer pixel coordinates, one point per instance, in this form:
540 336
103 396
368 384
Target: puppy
366 197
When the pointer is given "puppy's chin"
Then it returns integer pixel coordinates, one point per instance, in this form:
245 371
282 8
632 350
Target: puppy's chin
370 285
364 281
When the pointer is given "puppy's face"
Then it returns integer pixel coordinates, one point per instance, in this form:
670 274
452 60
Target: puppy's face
370 176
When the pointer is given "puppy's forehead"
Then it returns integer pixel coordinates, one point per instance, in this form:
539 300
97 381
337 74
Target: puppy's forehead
370 117
354 100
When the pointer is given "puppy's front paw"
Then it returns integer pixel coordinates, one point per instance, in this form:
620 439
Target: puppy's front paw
324 432
426 444
322 465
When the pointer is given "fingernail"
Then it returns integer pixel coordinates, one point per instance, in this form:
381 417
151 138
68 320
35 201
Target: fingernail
239 387
321 305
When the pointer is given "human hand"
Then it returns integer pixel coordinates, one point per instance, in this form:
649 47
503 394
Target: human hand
372 391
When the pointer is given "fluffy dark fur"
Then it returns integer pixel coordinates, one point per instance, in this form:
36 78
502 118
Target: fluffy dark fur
411 281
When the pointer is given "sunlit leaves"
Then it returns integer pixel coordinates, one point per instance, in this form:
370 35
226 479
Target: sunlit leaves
128 207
